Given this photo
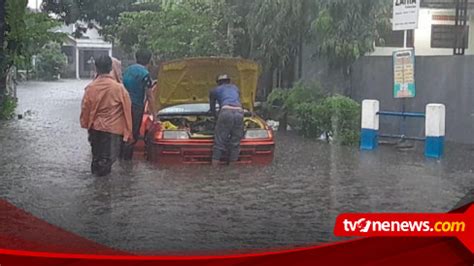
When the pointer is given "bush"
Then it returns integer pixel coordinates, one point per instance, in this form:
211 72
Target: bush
275 105
315 114
50 62
337 116
283 102
7 109
312 119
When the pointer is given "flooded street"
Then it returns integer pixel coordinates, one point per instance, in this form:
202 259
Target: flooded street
45 162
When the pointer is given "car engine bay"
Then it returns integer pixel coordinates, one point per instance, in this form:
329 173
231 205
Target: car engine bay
202 126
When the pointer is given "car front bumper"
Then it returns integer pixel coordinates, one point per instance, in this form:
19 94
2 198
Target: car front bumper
199 152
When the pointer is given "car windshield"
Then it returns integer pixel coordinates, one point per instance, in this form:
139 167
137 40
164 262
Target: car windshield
185 108
195 108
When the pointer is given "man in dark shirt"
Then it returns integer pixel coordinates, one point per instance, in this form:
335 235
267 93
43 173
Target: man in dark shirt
138 83
230 120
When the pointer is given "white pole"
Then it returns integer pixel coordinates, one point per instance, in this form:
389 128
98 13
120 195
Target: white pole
405 39
77 64
370 124
435 130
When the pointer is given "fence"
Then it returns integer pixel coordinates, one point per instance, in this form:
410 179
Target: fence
439 79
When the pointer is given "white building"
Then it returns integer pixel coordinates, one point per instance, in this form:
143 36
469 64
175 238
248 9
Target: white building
79 51
436 33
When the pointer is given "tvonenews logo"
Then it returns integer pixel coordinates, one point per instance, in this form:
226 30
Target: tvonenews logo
459 225
364 225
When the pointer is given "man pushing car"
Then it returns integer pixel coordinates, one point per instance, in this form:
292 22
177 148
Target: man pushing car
229 128
139 85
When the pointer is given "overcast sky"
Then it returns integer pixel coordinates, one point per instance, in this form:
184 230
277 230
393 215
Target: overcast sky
32 3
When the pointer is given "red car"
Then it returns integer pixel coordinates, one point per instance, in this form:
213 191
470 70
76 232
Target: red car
183 131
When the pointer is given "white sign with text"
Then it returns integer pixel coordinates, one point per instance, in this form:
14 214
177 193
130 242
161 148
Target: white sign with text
405 14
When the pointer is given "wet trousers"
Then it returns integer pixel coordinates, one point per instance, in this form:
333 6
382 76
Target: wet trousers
127 150
105 151
228 133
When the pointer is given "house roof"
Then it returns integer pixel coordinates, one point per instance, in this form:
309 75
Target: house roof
88 43
90 39
444 4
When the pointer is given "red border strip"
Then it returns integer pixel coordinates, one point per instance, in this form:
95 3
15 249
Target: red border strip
164 258
29 231
376 251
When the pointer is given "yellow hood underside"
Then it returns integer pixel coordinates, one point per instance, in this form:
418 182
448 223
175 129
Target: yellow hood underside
190 80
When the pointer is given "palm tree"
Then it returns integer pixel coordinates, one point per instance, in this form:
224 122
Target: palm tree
277 29
347 29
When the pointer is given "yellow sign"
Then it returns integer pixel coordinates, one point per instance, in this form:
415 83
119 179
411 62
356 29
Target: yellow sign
404 74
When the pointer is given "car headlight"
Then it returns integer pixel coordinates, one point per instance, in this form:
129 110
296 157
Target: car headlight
256 134
175 134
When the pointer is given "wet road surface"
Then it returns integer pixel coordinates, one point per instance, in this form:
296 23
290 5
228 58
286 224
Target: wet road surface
44 169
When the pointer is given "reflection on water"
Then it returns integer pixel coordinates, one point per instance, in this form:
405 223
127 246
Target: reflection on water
44 169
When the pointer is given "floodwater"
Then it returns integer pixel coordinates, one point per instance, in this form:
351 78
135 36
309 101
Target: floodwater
44 169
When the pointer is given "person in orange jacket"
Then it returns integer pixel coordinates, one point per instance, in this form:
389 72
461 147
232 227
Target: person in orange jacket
106 114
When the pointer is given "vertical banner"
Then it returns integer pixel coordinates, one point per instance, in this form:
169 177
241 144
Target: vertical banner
404 74
405 14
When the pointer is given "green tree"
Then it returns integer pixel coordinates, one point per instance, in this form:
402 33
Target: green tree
230 17
37 33
277 29
344 30
12 15
3 57
182 29
50 62
16 13
103 12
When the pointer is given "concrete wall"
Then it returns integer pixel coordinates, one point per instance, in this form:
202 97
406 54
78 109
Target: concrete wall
439 79
443 3
423 35
317 69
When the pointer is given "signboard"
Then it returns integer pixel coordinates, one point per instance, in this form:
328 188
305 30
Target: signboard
405 14
404 74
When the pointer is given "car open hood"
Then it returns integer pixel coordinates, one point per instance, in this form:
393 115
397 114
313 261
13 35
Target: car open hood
190 80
